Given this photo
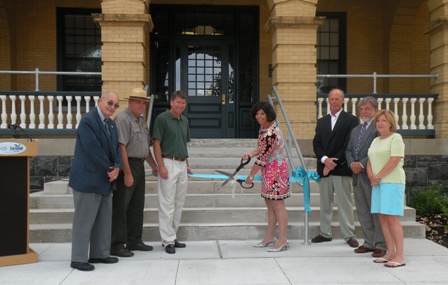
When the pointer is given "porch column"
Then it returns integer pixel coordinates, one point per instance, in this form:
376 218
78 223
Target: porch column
293 26
438 30
125 27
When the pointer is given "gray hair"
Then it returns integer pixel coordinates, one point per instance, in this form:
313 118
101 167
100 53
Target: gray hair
368 99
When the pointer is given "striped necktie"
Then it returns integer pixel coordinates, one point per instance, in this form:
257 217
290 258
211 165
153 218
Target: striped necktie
358 142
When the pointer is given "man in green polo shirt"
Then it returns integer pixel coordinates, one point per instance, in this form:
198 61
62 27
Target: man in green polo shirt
171 134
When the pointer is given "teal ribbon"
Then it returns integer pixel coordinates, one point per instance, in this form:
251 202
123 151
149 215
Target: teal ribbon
301 175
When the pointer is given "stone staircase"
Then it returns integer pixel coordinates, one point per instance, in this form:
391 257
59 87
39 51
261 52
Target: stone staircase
208 214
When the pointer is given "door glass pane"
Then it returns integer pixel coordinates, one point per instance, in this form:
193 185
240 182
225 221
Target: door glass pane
204 81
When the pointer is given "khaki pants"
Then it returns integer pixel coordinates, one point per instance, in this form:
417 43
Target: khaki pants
172 192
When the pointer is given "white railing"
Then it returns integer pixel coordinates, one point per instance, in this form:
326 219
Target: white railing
37 112
405 107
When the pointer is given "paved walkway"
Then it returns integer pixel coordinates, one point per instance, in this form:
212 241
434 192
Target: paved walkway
224 262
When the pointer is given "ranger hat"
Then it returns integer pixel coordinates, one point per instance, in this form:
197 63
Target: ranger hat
138 94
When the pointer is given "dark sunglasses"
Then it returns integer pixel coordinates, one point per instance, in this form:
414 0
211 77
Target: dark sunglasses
111 103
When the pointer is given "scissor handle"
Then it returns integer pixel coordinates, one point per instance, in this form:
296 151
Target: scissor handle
243 163
241 182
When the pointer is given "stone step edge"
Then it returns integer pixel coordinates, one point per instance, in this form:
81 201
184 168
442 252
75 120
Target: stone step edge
291 208
146 225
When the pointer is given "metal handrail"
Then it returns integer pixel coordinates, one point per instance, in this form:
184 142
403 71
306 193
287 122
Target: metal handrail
292 139
37 72
375 75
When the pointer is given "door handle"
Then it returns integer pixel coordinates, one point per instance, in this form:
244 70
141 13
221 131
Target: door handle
223 99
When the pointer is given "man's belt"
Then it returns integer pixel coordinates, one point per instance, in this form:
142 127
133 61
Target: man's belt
174 158
136 159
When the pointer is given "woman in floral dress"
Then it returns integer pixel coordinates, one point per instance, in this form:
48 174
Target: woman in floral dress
270 158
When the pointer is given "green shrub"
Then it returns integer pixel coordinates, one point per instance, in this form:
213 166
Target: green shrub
432 201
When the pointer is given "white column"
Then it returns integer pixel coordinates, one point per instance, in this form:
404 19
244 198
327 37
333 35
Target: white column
396 100
404 117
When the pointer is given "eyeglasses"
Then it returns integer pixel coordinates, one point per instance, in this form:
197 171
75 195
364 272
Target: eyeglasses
111 103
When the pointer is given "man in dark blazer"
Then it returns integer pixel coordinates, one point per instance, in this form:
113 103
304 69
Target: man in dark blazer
356 154
95 167
329 144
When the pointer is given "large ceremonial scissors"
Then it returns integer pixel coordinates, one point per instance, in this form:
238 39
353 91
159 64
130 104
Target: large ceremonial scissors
232 177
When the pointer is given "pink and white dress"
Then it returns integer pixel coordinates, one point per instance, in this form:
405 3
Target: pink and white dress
274 174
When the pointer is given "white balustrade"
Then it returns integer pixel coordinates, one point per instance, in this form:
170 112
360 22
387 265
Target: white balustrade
400 107
64 112
45 118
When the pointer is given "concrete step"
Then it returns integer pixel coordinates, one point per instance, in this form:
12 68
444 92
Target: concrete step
195 186
204 215
192 201
228 213
217 231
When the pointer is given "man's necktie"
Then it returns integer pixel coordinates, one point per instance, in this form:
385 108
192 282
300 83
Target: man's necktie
358 142
106 124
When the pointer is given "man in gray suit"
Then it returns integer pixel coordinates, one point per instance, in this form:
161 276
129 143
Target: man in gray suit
356 154
95 168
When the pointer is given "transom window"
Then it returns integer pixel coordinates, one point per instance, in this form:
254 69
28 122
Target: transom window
79 49
331 52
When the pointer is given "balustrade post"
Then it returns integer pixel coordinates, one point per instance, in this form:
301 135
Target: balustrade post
430 125
396 100
69 112
13 109
78 110
345 104
4 115
60 117
380 100
50 112
319 107
412 117
354 108
87 103
404 117
421 118
41 112
388 100
22 99
32 114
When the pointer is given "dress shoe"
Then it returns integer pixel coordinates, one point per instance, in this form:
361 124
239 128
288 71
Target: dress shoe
121 252
83 266
320 238
352 242
272 241
107 260
282 248
179 244
170 249
140 246
363 249
378 253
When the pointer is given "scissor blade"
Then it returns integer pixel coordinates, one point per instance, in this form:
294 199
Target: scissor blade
224 173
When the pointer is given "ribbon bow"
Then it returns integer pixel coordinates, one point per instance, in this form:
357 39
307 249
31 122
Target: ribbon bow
301 175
